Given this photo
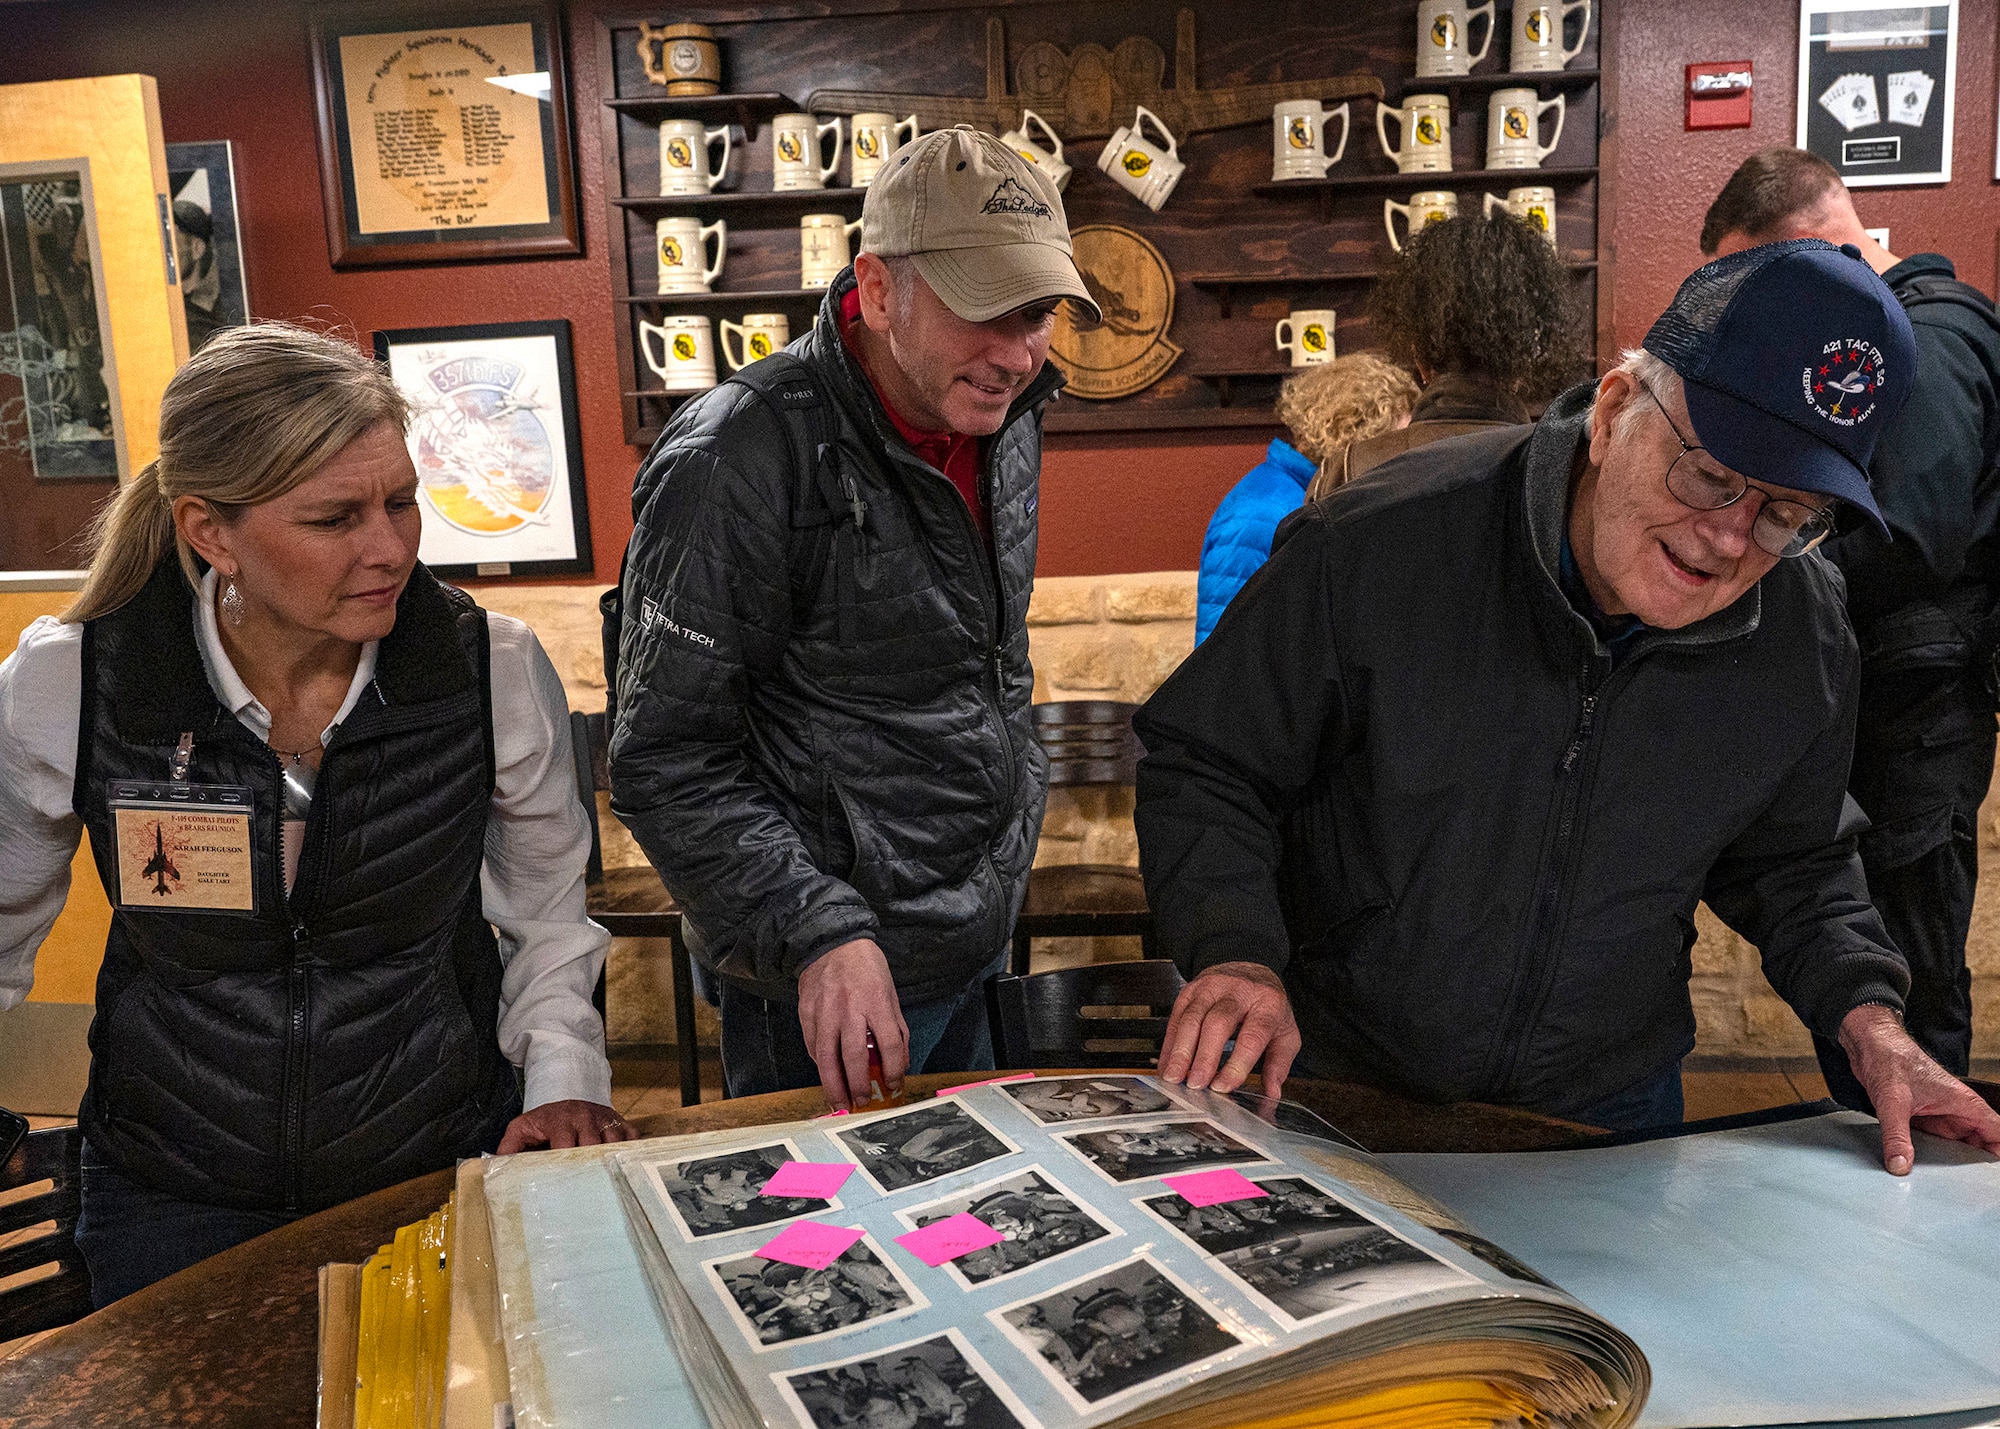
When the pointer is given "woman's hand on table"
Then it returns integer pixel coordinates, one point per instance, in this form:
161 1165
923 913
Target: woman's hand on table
558 1126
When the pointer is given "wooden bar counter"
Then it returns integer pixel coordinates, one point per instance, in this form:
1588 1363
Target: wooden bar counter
230 1343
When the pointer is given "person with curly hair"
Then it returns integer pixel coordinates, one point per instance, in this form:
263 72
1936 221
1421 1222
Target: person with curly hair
1327 408
1482 310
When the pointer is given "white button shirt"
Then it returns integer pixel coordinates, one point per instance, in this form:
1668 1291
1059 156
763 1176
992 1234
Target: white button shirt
530 884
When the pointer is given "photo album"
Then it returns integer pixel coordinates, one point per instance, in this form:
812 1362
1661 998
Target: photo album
1090 1250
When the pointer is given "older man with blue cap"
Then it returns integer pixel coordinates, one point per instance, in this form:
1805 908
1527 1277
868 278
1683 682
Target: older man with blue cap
1434 806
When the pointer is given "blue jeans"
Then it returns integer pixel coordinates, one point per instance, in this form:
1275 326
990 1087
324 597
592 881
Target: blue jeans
763 1049
132 1235
1649 1102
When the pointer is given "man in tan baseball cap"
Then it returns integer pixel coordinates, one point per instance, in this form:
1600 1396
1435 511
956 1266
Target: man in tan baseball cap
822 736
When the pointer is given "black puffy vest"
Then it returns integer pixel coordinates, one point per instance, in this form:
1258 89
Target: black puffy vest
343 1038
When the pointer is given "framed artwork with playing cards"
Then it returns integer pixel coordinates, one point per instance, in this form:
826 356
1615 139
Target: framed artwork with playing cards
1875 89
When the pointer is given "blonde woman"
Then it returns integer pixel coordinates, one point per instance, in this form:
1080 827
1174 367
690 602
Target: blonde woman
1326 407
316 783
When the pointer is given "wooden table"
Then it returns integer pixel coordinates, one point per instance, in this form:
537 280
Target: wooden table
232 1341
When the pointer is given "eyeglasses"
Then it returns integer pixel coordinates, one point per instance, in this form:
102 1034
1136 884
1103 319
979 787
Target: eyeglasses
1782 528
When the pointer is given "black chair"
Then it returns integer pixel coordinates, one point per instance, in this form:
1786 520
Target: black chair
38 1235
1104 1015
1088 742
632 902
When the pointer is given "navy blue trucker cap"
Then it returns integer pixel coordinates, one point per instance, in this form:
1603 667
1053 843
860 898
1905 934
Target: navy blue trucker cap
1794 356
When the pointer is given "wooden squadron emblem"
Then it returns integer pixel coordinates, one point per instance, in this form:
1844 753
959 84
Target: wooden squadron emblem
1134 289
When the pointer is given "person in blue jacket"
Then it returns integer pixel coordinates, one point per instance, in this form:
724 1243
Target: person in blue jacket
1325 408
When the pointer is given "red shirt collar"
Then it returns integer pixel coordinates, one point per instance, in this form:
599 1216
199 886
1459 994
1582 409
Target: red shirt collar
935 447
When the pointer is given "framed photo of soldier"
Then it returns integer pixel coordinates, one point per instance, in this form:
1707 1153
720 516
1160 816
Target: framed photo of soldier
498 452
444 134
201 187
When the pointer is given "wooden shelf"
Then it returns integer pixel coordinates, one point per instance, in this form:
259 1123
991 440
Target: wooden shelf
748 110
774 297
1413 183
1225 286
1326 189
735 204
1078 415
1457 86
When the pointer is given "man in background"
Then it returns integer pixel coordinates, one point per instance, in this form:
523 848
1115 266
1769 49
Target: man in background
823 740
1922 604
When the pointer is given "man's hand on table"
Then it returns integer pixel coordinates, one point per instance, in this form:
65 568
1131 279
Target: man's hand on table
1908 1088
843 996
1242 1000
561 1125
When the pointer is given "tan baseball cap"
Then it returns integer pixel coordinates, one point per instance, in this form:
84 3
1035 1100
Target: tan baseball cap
985 226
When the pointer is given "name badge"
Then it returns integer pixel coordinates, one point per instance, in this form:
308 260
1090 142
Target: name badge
184 847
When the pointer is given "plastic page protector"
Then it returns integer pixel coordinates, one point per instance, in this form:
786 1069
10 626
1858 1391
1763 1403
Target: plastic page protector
183 847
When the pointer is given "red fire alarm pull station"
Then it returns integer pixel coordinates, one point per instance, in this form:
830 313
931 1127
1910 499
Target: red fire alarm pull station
1718 95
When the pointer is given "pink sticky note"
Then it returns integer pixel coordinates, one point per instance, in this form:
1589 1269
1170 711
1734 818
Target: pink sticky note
989 1082
1212 1188
949 1238
809 1243
820 1179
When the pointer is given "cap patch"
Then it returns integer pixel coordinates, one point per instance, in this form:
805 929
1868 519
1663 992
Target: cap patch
1010 197
1841 384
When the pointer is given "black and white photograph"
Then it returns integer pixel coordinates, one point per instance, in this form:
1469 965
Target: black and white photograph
908 1148
720 1195
777 1303
1115 1331
1040 1218
1504 1261
201 183
938 1383
1159 1148
1303 1253
55 331
1051 1100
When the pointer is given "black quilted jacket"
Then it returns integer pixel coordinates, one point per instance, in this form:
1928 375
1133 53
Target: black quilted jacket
338 1039
795 791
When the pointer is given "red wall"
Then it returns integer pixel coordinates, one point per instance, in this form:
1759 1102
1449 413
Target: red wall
1667 177
1116 502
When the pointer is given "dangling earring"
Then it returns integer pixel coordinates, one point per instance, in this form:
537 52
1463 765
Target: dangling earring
232 603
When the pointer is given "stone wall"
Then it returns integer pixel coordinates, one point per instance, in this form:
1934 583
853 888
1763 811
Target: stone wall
1117 638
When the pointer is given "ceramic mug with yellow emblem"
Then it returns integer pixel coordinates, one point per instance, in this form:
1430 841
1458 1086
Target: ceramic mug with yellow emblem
1424 122
1308 335
1444 37
1536 204
687 352
684 157
874 137
1538 35
1046 156
797 141
757 337
1423 209
1142 168
1514 128
1298 139
682 245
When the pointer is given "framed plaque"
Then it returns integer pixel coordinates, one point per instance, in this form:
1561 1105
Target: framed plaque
444 134
1876 89
494 437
